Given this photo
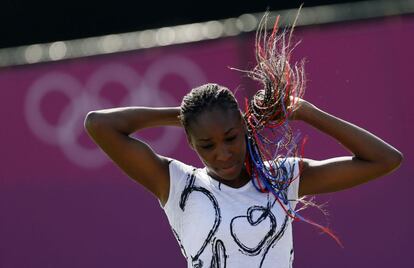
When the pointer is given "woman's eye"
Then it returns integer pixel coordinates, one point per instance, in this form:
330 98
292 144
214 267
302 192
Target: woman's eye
231 138
209 146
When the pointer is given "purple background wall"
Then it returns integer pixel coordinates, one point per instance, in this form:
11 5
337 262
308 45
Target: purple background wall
63 204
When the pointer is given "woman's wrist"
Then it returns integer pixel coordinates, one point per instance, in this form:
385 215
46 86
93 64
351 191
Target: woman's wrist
302 110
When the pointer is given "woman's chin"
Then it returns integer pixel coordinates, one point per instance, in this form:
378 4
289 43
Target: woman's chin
230 173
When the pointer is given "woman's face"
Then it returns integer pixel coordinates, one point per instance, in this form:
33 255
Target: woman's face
218 137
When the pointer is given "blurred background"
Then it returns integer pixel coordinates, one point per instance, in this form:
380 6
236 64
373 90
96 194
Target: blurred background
64 204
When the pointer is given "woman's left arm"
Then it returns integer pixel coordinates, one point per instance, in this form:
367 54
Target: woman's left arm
372 157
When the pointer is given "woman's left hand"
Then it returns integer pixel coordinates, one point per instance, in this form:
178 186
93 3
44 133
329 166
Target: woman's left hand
297 107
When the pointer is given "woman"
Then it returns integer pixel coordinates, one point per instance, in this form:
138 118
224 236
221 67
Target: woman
237 210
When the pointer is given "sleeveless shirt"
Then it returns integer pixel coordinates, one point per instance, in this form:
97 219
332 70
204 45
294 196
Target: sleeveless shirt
220 226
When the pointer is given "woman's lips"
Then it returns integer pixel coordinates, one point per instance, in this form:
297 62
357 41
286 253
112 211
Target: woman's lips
230 169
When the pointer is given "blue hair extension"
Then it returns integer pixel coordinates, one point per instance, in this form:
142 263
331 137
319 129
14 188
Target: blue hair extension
270 139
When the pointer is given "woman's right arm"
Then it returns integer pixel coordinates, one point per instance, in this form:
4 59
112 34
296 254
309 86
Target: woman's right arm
111 129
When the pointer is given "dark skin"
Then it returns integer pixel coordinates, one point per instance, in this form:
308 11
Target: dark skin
217 136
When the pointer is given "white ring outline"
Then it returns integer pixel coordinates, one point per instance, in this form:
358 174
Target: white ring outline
83 101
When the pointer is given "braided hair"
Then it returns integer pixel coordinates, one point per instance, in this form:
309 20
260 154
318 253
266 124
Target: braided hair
267 113
269 138
206 97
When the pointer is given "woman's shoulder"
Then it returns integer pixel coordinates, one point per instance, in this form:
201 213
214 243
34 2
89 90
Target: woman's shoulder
177 167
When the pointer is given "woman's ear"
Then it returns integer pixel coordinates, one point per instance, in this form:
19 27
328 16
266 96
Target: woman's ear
189 140
190 143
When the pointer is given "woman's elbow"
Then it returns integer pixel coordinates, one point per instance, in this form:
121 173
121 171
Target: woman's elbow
393 160
92 121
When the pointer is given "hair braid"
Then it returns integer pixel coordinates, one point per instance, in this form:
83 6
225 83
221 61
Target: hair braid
206 97
270 139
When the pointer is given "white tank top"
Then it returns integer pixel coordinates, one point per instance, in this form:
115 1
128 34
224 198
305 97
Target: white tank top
220 226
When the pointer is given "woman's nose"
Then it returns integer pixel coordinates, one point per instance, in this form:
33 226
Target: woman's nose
223 154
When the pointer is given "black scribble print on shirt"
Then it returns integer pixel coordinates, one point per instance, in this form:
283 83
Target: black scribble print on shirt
291 258
179 242
275 238
219 255
189 188
266 213
270 238
283 171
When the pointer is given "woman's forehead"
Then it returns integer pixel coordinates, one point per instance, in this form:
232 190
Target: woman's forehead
215 122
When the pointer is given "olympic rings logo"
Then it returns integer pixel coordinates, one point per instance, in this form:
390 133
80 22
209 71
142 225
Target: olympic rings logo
142 91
